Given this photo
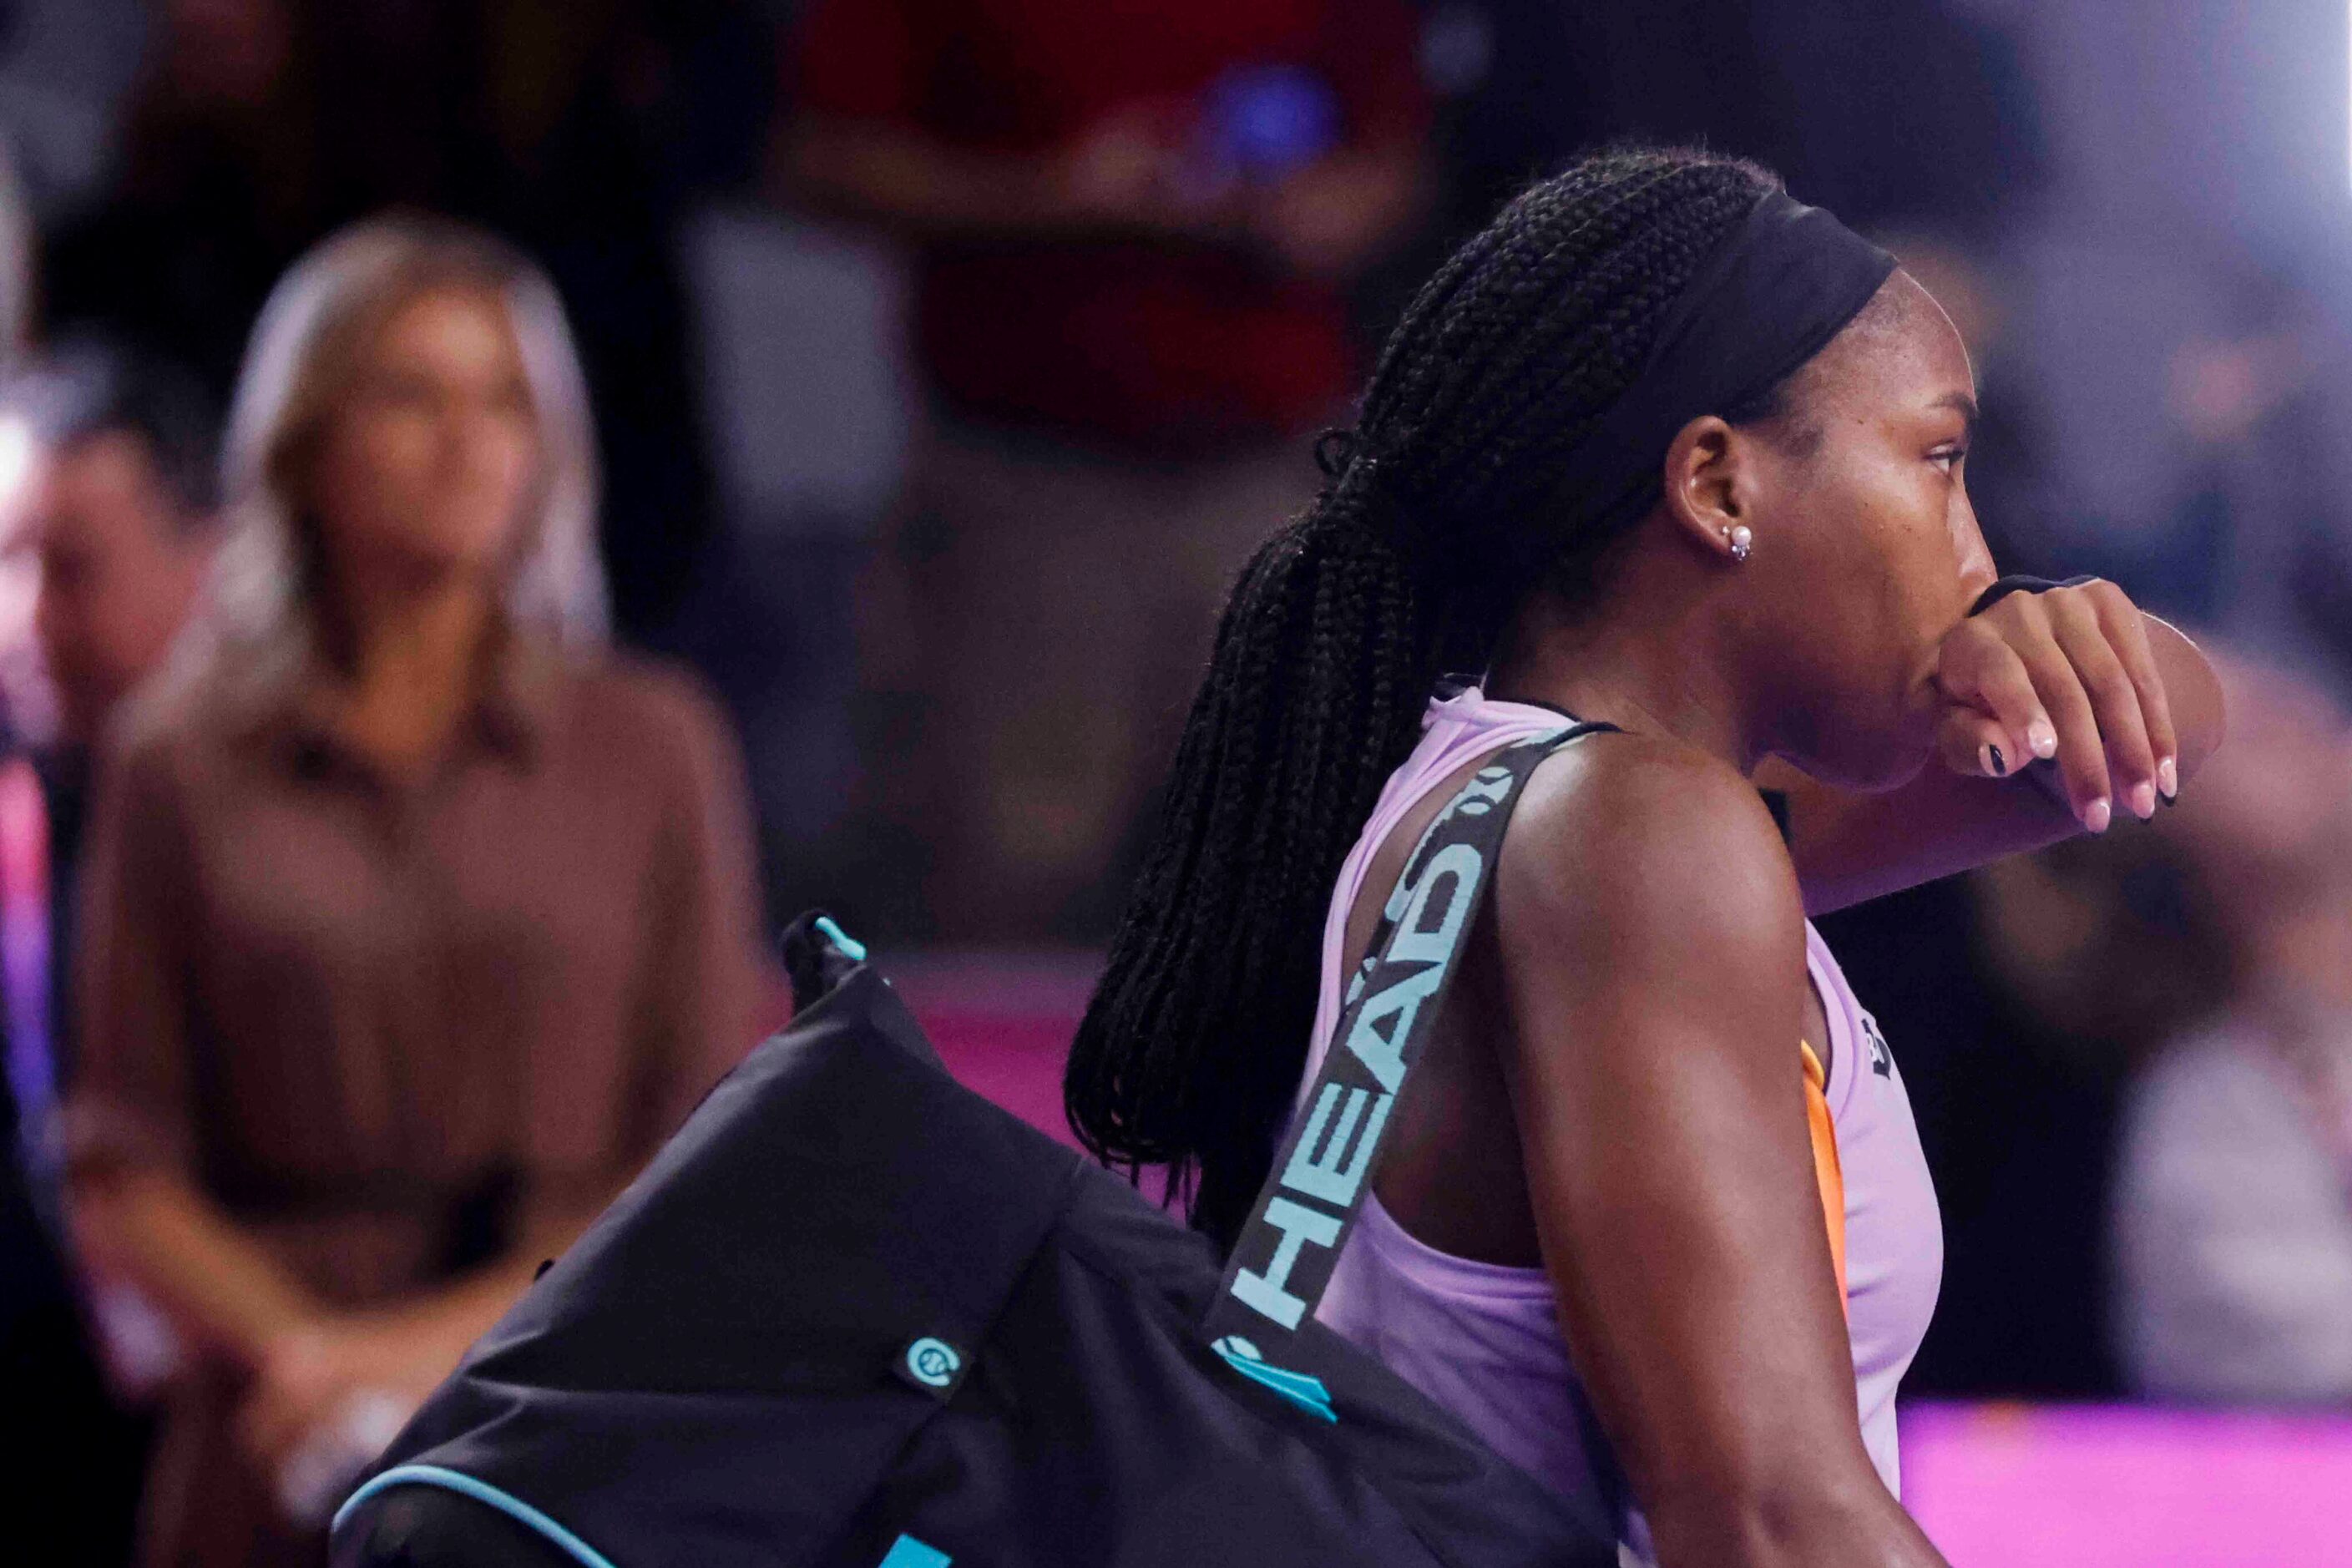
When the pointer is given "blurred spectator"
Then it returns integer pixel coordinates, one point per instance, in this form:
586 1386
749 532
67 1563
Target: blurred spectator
579 130
413 920
1132 227
74 1458
109 513
114 516
113 512
2233 1207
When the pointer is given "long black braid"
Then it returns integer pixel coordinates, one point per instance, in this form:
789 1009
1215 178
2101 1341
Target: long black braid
1441 514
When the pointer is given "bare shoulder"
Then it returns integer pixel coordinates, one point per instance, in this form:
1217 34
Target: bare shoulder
1633 846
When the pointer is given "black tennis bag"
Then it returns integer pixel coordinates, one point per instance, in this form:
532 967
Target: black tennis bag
855 1316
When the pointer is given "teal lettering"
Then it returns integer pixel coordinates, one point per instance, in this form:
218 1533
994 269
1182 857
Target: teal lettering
1393 1005
1455 868
1335 1176
1482 794
1266 1293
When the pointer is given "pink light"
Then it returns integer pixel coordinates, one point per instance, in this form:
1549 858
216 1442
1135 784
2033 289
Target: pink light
2018 1486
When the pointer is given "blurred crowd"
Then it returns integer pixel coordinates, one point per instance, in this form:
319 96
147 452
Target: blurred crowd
496 493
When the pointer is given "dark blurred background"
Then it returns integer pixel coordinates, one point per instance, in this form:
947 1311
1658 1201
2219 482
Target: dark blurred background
936 488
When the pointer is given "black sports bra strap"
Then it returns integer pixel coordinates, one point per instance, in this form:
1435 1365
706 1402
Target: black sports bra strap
1554 708
1283 1259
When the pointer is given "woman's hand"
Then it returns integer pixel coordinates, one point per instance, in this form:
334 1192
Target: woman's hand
2120 706
303 1377
2064 674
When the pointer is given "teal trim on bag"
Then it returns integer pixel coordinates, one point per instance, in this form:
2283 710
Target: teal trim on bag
909 1553
853 949
1303 1389
514 1508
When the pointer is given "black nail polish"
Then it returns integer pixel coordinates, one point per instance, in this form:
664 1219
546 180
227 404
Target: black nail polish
1999 762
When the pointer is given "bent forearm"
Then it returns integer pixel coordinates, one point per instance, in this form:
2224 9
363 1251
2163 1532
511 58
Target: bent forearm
1799 1525
452 1316
1850 848
216 1284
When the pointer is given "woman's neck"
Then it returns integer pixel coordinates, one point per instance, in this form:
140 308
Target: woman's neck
1655 664
411 651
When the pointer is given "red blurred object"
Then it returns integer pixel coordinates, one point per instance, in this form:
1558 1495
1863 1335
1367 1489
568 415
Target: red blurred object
1123 343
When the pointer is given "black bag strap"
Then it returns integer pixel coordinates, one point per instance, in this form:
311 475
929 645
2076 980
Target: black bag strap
1284 1256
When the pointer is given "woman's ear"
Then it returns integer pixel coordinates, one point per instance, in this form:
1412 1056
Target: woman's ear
1710 484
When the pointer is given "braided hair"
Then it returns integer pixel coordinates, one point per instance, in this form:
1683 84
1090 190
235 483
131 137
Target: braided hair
1440 515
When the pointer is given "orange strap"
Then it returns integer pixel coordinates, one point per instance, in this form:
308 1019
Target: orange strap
1826 1171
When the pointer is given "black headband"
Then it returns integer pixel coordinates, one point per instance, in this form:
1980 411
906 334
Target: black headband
1770 296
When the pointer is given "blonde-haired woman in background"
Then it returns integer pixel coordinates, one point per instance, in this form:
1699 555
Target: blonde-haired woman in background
417 919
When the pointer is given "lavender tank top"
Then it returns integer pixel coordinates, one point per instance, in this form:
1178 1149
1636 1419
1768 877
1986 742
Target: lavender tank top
1483 1339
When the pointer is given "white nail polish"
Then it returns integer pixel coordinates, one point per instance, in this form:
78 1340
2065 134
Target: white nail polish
2096 816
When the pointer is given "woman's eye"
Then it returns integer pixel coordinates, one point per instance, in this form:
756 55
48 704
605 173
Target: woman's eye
1948 459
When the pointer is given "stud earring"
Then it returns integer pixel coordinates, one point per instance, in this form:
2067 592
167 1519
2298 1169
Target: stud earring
1743 540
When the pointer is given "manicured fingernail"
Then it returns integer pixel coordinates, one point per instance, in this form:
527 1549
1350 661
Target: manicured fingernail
2143 801
1994 762
2043 738
2168 778
2096 816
